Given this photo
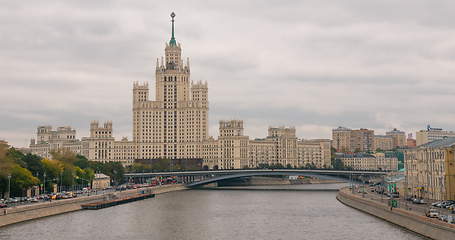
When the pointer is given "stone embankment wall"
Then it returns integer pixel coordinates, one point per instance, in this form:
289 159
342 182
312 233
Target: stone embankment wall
45 209
412 221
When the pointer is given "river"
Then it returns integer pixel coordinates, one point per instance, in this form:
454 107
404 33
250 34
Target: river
217 214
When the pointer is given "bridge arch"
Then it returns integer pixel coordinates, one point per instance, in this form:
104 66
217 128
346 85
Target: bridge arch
215 179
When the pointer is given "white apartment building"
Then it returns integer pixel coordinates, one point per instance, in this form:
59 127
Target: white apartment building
49 140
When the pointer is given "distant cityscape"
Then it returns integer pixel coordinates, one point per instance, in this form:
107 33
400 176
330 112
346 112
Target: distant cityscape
175 126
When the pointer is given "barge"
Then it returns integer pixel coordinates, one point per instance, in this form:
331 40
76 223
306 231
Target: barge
114 202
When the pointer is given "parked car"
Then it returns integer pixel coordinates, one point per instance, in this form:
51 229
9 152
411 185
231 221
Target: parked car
3 205
443 218
419 201
432 213
449 203
444 204
394 195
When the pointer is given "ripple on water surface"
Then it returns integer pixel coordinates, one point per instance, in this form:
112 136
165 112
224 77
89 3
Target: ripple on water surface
225 214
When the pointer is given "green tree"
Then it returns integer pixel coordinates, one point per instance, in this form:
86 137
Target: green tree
53 168
263 165
83 176
21 179
161 164
65 156
34 164
68 175
96 166
81 162
16 156
115 170
337 164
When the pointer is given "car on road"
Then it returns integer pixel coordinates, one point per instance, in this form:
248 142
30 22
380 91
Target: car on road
432 213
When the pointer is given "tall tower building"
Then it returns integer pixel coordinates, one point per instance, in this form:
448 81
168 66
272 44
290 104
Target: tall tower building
176 123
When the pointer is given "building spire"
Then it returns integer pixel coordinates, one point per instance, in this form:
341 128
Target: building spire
172 42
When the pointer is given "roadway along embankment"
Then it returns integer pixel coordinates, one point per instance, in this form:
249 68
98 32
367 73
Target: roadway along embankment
410 220
46 209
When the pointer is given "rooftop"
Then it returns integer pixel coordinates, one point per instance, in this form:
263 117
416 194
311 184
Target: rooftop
342 129
446 142
100 175
395 131
353 155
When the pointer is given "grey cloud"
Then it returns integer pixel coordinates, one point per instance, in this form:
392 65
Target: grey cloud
311 64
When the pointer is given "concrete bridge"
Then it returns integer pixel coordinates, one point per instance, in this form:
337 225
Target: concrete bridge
199 178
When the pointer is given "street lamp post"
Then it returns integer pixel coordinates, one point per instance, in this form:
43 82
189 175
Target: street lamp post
88 182
9 185
61 181
44 190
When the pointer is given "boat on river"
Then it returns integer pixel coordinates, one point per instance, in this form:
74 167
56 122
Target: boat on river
114 202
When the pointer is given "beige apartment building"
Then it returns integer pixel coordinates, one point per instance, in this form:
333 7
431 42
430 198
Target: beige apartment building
362 140
383 142
348 140
430 170
374 162
341 139
432 134
399 138
233 150
102 146
314 152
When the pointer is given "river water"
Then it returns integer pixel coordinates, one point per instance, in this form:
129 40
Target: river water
217 214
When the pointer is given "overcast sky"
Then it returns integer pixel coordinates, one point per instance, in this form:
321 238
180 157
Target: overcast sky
314 65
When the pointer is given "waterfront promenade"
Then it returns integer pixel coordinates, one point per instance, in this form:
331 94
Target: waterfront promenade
39 210
409 217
